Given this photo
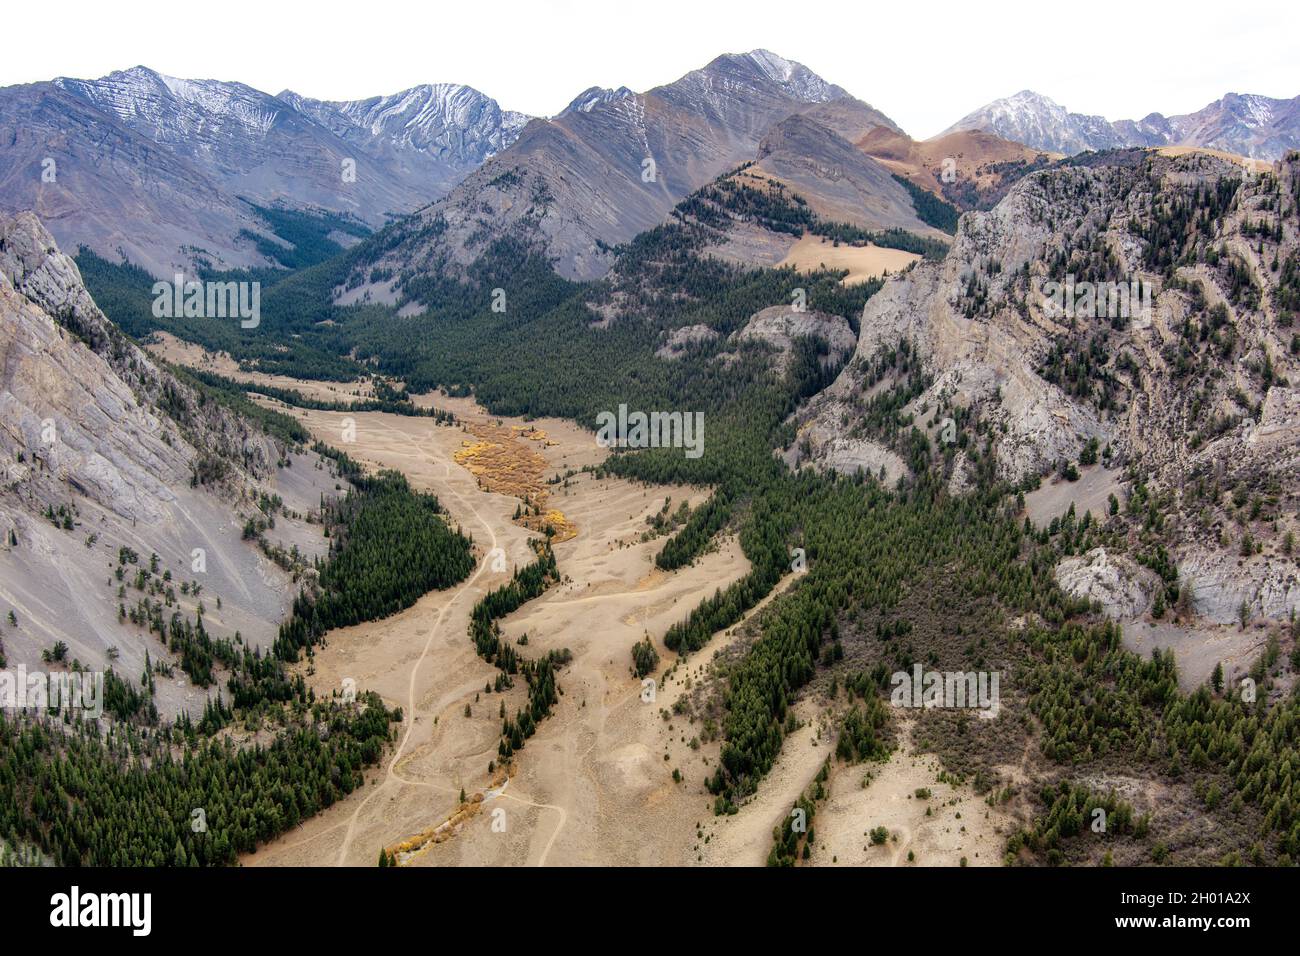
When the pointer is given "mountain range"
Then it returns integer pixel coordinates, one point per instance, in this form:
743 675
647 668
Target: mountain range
166 171
1244 124
174 174
614 164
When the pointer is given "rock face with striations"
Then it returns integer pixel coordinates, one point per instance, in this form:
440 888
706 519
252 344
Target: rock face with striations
108 461
79 402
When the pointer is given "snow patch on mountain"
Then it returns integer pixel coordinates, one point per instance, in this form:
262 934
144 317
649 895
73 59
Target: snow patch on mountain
445 119
594 96
168 108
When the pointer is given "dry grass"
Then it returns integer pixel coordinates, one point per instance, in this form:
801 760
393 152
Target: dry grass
863 262
1255 165
974 154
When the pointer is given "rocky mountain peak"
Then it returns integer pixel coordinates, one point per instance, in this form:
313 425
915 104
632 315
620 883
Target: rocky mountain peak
447 119
171 109
797 80
595 96
1039 121
761 71
614 163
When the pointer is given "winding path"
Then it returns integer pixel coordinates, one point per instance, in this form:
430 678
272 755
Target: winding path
390 773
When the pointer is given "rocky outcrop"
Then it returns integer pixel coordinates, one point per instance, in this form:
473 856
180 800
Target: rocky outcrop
989 338
1123 588
848 456
779 326
1191 390
986 361
678 341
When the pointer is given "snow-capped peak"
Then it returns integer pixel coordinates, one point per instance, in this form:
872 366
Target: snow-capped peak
1253 110
1028 107
1243 123
594 96
776 67
1039 121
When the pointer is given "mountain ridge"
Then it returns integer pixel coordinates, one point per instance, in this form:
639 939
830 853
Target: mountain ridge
439 131
1245 124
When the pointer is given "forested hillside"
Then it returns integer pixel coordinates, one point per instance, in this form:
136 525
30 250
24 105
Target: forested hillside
129 798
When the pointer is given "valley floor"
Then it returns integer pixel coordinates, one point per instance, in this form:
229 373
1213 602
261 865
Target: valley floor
592 785
595 785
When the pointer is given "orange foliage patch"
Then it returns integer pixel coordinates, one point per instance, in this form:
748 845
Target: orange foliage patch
501 461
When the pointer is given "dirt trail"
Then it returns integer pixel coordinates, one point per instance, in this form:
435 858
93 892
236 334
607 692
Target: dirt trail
428 644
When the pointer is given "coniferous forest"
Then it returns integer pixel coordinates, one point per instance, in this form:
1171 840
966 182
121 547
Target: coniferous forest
388 546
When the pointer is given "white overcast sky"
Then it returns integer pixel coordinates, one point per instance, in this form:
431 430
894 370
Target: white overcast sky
925 63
